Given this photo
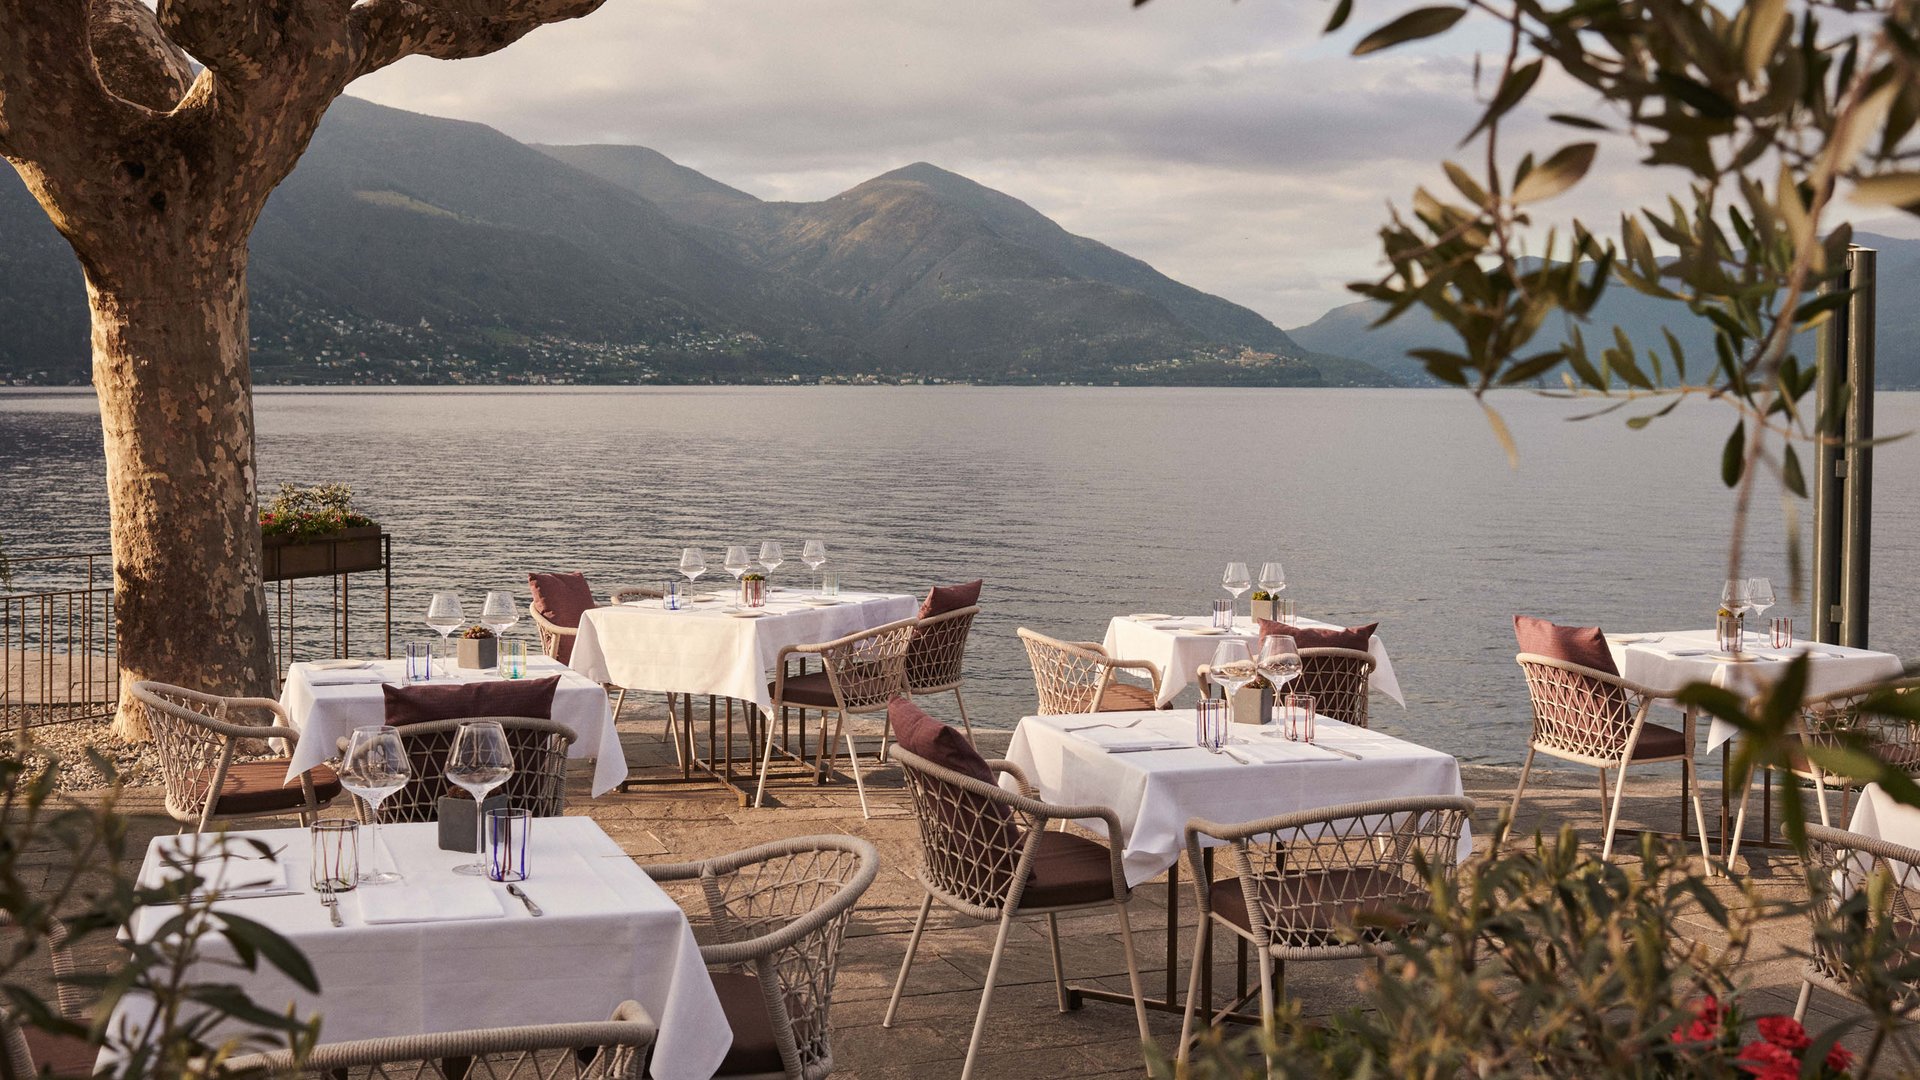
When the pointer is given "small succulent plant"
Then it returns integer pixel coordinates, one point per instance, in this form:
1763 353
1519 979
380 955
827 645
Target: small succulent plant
477 632
753 577
1262 595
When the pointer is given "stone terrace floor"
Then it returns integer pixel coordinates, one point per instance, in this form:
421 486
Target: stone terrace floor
1028 1036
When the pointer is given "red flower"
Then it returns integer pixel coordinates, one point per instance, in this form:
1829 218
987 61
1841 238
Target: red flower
1784 1032
1706 1023
1768 1062
1839 1059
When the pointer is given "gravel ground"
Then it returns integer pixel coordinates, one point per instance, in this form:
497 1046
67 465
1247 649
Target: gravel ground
138 764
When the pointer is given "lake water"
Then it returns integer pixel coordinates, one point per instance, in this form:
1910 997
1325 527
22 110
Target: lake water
1074 504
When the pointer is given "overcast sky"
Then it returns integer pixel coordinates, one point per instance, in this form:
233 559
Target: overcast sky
1226 143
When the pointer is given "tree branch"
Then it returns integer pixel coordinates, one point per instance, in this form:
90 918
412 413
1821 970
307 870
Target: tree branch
135 59
388 30
50 93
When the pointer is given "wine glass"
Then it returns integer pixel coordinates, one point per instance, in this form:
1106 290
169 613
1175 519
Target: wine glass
814 554
445 616
1759 596
1273 578
479 761
737 561
1279 660
1233 669
771 556
692 563
499 614
1734 597
1236 580
374 767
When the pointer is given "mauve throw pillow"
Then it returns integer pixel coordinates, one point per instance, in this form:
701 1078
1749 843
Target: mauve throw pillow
996 838
418 704
945 598
561 599
1583 645
1312 637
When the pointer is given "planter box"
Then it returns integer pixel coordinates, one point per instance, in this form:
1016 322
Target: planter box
459 824
1265 609
348 551
1253 705
476 652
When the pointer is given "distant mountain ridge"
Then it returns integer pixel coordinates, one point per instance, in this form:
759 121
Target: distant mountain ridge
408 248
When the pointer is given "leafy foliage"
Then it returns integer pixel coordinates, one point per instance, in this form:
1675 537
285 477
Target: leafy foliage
303 513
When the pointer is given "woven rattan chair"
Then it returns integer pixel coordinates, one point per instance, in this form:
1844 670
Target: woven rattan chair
1838 866
538 783
935 654
777 914
1837 719
1325 884
35 1051
613 1049
1592 718
552 634
197 737
985 852
860 674
1077 677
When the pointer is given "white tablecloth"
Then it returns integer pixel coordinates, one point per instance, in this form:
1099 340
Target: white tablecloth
1179 655
609 934
1878 816
1656 665
326 705
1154 792
704 650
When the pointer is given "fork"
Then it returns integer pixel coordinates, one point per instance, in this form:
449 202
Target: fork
1090 727
331 901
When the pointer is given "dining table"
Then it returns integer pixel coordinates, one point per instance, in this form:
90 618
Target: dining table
714 646
1179 646
441 952
1147 767
326 700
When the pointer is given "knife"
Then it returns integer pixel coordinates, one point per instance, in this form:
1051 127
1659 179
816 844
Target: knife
1342 753
532 908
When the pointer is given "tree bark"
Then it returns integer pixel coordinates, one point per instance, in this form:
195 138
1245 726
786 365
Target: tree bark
176 408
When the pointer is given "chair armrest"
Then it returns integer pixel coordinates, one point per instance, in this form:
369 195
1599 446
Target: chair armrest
1148 666
1002 765
674 871
1632 688
547 627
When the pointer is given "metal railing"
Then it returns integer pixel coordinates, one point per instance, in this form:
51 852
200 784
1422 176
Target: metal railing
57 658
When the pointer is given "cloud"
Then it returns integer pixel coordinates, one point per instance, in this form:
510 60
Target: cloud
1225 143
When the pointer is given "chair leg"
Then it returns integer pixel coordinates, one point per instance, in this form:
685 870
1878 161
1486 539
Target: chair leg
1613 817
1692 777
1513 812
1267 1028
1133 972
1059 976
986 995
1800 1006
667 729
618 702
766 764
853 762
1603 794
964 722
906 962
1820 789
1740 822
1193 989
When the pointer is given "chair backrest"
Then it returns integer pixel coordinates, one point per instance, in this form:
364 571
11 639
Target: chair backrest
1831 719
194 752
1578 713
780 912
868 669
1340 681
613 1049
936 650
972 842
538 783
1315 881
1068 678
1839 864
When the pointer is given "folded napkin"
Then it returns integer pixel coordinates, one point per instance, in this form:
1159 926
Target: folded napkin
449 902
1271 751
229 875
346 679
1122 740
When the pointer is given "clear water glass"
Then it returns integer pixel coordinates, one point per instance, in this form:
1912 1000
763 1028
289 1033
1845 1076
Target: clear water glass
1223 614
673 596
1296 717
829 584
513 659
1273 578
693 563
738 562
1210 724
419 661
508 832
335 866
479 762
375 766
1780 630
771 556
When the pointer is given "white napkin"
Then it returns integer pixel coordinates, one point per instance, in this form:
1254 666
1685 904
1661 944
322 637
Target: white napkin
1271 751
1121 740
447 902
348 679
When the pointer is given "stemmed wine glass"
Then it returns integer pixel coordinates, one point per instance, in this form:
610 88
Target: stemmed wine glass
1236 581
692 563
1233 669
1734 597
479 761
1279 660
374 767
499 614
814 554
1759 596
444 615
737 561
1273 578
771 557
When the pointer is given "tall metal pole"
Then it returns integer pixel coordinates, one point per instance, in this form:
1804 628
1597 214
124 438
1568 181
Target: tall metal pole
1829 473
1857 562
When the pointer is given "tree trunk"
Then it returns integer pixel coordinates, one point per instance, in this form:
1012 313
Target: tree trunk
176 404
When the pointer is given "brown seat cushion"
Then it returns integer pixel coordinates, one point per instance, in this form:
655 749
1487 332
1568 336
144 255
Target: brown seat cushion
511 697
1313 637
754 1049
61 1055
1660 742
1126 697
561 599
812 689
944 598
1069 869
1583 645
1312 905
262 787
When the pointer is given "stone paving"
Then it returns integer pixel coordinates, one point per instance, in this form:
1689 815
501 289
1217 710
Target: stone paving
1028 1035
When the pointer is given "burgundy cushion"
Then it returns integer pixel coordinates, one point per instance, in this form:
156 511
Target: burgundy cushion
511 697
1068 869
922 735
989 831
945 598
814 690
754 1050
1659 742
262 787
1583 645
1310 637
1126 697
62 1055
561 599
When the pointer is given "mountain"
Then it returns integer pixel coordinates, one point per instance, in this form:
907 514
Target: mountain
408 248
1347 329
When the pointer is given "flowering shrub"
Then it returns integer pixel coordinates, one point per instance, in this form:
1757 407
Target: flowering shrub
304 513
1777 1055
